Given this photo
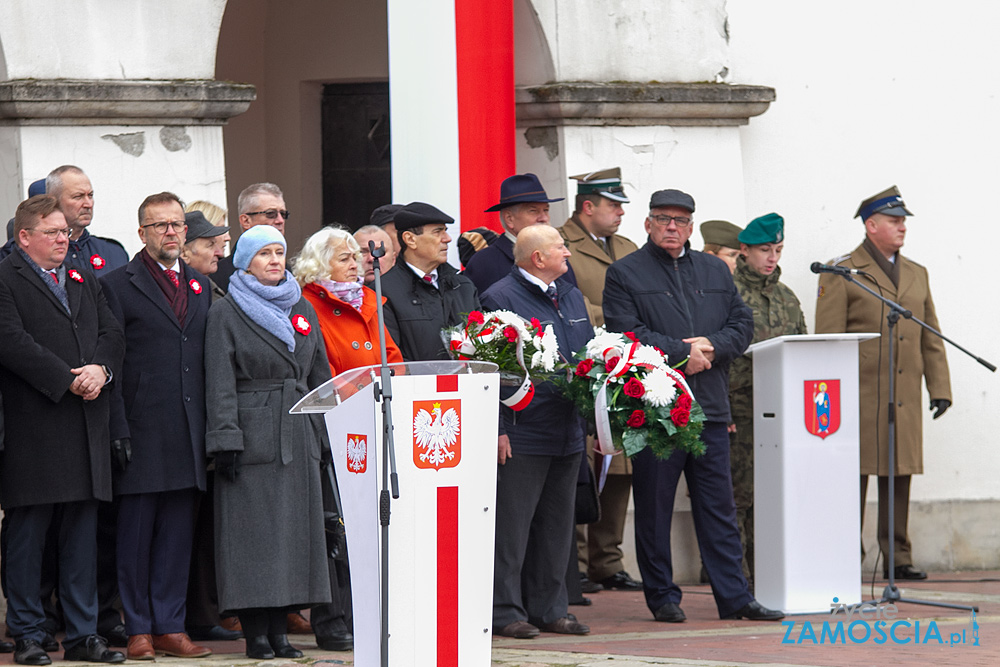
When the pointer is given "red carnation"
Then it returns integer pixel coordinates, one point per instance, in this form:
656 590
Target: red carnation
634 388
476 317
510 333
612 362
684 402
536 324
680 417
631 336
636 419
584 367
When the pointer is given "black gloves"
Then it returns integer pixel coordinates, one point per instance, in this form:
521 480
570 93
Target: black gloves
226 464
940 406
121 453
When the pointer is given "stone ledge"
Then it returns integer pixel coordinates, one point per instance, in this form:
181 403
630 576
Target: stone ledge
635 103
108 102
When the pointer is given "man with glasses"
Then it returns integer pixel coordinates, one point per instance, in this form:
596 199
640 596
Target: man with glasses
258 204
685 303
62 348
158 427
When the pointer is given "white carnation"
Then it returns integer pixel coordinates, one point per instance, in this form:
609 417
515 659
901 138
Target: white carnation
648 355
660 388
602 340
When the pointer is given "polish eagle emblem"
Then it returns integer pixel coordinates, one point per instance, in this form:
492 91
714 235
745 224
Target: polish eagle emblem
357 453
436 435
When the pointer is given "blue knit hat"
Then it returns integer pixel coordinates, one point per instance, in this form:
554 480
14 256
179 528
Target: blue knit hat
252 240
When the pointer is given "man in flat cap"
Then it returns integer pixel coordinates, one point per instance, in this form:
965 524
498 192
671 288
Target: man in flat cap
424 293
776 312
523 203
844 307
591 234
384 217
721 239
204 246
685 303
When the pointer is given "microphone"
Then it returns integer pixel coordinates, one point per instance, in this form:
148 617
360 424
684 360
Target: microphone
826 268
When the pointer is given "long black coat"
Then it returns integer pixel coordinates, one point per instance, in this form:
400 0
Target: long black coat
415 312
56 446
161 405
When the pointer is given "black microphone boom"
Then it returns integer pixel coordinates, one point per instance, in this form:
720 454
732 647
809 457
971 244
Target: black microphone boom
816 267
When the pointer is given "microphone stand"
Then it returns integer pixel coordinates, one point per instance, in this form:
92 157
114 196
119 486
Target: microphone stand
891 593
383 393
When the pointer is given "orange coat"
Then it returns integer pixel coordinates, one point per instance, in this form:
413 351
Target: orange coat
351 336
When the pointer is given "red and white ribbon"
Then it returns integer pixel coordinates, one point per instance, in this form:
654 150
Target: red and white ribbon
520 399
605 444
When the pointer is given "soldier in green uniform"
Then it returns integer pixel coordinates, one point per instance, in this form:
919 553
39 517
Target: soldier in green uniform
776 312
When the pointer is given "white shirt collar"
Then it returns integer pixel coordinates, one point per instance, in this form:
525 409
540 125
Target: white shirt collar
420 274
176 265
544 286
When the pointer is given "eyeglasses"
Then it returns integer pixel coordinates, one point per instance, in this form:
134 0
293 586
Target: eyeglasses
664 220
53 234
272 213
161 227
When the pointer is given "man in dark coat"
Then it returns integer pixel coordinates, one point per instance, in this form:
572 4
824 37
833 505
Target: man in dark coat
539 452
523 203
160 411
424 293
685 303
258 204
62 347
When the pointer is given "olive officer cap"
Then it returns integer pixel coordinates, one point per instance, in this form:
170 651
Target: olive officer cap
721 232
607 183
887 202
418 214
768 228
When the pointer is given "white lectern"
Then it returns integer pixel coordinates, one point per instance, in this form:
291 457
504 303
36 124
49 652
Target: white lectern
441 527
807 523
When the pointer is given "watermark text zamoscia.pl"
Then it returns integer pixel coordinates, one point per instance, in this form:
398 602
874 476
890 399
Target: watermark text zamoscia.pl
868 622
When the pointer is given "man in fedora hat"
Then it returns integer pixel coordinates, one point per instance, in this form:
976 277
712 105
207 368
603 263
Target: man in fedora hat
845 307
523 202
591 234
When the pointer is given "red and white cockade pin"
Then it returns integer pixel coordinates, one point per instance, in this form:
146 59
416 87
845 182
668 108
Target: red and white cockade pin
75 275
97 262
195 286
301 325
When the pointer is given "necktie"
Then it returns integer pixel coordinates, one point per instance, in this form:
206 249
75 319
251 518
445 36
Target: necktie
55 276
428 278
551 293
172 275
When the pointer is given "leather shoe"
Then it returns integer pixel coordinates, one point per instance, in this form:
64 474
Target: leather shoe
338 641
281 647
231 623
581 602
298 625
140 647
566 626
518 630
212 633
115 636
49 643
30 652
622 582
93 649
259 648
907 572
179 645
587 586
6 646
755 611
670 613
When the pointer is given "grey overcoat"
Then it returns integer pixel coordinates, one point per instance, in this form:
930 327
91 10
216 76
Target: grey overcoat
270 548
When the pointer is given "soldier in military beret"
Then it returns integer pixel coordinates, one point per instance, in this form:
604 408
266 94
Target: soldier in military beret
776 312
720 237
844 307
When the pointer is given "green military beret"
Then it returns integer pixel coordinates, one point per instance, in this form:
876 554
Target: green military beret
768 228
721 232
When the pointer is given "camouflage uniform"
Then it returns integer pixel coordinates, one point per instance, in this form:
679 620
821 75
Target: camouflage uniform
776 312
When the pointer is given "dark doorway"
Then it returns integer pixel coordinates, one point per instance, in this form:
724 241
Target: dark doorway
356 159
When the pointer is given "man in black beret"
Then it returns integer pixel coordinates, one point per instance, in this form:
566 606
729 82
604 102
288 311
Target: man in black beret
424 293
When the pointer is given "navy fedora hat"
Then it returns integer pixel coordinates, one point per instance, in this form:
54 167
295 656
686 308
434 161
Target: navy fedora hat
521 189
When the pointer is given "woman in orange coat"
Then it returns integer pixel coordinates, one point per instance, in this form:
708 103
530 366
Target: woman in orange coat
327 269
